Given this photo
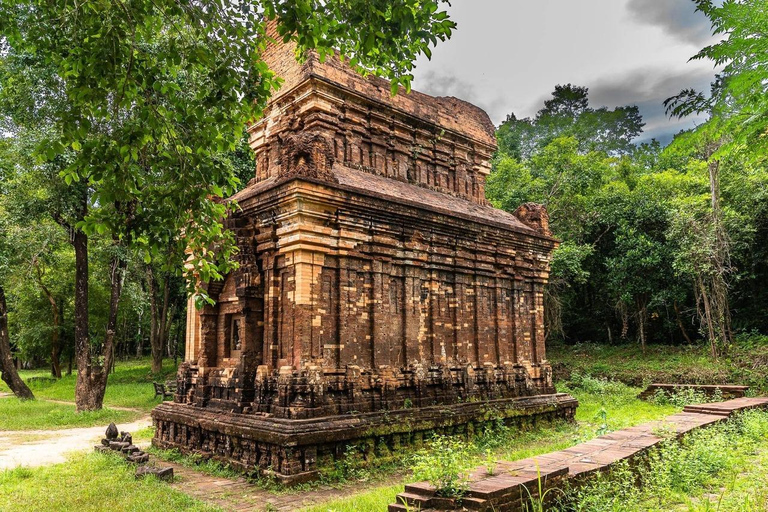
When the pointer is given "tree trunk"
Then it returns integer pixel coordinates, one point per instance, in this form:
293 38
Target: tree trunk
86 397
140 340
158 334
708 319
9 374
642 314
56 332
680 324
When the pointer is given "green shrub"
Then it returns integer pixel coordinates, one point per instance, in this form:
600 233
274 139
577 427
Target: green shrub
685 396
445 465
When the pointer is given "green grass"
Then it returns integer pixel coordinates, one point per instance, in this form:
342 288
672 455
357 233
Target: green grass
746 363
376 499
143 435
207 466
130 385
93 482
18 414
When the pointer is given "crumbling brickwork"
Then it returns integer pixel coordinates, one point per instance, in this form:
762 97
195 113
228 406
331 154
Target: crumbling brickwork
374 275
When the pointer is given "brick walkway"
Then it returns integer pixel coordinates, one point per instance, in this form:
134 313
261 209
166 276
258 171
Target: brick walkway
507 489
237 494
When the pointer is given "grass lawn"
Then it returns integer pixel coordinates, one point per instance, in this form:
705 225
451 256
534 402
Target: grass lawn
18 414
92 482
130 387
746 363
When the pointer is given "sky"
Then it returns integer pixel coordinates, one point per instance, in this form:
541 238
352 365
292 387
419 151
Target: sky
507 56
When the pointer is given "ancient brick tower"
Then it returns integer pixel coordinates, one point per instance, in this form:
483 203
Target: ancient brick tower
379 295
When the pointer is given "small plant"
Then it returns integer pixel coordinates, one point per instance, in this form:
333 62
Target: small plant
407 403
536 503
445 465
665 431
685 396
603 428
490 462
405 504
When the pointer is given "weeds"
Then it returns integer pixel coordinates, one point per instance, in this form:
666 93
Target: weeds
445 465
207 466
685 396
676 470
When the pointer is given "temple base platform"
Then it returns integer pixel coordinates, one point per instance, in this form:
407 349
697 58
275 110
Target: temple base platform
294 450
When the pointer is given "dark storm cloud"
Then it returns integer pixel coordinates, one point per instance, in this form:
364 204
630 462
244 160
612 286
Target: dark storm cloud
648 88
678 18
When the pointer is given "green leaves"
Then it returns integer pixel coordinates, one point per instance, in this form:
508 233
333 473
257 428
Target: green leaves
739 97
145 102
567 114
382 37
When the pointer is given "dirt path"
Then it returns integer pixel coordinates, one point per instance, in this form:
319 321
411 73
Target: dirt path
113 407
41 447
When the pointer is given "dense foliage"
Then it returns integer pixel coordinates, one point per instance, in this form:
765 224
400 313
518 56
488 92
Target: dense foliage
658 243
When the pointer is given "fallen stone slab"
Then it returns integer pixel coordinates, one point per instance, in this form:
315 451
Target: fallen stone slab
138 458
117 445
165 474
128 450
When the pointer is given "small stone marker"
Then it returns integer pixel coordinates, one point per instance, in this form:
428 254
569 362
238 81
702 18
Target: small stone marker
118 445
112 432
130 449
138 458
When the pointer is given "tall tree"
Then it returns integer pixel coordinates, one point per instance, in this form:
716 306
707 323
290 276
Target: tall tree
568 114
7 368
144 97
738 109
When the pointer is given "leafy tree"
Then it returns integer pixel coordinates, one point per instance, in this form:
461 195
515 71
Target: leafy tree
738 103
7 250
144 98
568 114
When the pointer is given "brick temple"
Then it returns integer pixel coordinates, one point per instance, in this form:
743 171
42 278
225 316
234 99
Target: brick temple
379 295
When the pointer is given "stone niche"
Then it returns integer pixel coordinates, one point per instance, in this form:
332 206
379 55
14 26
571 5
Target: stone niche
379 296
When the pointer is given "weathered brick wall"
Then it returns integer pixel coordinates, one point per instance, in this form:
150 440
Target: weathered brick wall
373 271
444 144
374 276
